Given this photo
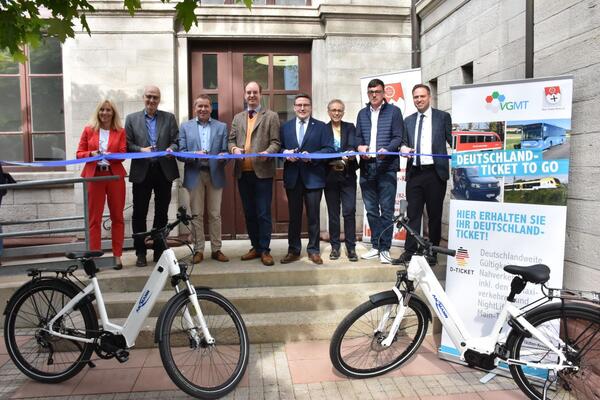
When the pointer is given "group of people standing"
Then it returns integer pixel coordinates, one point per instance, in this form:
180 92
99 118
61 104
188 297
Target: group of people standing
380 129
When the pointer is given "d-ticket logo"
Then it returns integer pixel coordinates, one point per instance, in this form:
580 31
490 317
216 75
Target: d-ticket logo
462 257
462 263
496 102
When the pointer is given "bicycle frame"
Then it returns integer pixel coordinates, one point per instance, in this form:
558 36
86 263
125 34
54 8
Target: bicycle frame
421 273
166 266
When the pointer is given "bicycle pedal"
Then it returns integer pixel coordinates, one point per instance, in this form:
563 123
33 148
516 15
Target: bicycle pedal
91 364
122 356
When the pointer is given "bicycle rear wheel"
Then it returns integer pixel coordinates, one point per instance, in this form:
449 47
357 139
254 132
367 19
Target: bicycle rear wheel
573 329
204 370
38 354
356 349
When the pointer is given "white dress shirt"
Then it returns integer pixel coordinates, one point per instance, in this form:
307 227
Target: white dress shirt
374 119
426 137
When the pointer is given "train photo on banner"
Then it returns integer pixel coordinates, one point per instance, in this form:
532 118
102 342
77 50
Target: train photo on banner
542 136
534 184
476 141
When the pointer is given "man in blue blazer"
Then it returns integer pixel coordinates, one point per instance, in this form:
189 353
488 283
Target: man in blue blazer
204 178
427 132
304 178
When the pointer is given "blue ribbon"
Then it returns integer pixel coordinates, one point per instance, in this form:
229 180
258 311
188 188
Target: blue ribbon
154 154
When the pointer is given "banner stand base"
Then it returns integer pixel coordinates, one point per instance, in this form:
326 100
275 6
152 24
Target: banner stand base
485 379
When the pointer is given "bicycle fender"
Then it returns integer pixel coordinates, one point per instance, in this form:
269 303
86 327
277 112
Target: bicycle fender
389 294
28 285
160 320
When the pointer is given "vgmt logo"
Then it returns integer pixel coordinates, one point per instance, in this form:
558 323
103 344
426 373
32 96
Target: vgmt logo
497 101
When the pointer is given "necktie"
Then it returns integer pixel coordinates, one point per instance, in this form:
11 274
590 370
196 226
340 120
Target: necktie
419 130
301 132
251 113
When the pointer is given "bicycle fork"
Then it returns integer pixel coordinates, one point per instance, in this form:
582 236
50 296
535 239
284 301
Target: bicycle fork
387 342
201 321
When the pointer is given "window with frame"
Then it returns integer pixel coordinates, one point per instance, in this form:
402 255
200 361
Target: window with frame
32 123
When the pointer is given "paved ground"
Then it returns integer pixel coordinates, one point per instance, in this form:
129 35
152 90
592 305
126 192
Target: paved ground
300 371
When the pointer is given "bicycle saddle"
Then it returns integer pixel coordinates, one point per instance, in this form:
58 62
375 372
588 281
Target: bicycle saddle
537 273
76 255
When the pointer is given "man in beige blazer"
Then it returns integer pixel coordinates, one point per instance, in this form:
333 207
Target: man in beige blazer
256 130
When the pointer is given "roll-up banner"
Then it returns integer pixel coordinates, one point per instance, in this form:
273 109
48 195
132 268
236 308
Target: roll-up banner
510 176
398 88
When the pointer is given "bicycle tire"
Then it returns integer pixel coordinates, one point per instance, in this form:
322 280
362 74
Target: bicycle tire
359 355
578 326
43 357
215 369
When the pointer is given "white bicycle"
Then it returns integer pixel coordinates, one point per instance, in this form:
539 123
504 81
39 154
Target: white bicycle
51 327
551 346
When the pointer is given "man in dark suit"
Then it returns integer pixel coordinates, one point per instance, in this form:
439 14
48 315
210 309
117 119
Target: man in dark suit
151 130
304 179
256 130
427 132
204 179
341 183
379 129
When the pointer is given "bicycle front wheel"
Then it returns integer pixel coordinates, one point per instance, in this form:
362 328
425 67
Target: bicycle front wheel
356 350
198 368
37 353
573 329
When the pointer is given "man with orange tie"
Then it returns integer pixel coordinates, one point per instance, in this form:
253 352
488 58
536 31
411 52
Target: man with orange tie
256 130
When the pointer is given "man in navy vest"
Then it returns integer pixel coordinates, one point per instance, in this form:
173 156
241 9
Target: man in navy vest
379 128
426 132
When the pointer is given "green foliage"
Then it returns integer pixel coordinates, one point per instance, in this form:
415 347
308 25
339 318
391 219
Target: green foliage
26 22
557 196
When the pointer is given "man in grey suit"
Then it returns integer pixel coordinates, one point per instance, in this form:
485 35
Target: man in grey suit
151 130
204 178
256 130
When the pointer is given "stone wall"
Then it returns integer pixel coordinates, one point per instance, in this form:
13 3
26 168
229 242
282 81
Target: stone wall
490 34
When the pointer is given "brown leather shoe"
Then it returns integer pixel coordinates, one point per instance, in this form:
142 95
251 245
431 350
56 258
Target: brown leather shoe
250 255
267 259
219 256
290 257
316 258
198 257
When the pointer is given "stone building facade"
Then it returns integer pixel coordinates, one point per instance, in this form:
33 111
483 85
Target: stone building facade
480 41
461 41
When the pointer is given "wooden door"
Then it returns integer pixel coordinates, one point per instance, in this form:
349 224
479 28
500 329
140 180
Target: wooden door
220 69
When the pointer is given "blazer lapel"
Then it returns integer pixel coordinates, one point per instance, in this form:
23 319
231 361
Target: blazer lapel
434 129
259 117
213 133
159 126
143 131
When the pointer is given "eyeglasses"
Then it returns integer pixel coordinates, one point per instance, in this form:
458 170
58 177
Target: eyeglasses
336 111
302 105
370 92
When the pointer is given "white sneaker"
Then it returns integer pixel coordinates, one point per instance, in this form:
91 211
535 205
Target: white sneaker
384 257
373 253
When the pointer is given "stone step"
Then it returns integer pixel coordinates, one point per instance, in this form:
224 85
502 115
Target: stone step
266 299
281 327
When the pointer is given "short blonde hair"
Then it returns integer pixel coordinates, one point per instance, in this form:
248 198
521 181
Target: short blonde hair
116 120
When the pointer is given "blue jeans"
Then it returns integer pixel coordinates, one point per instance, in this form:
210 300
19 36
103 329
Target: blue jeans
256 194
379 196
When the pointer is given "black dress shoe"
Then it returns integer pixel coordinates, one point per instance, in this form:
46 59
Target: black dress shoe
118 267
403 259
335 254
141 261
352 256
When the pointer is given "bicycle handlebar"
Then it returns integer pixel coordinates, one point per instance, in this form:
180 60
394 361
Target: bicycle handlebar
182 217
401 221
